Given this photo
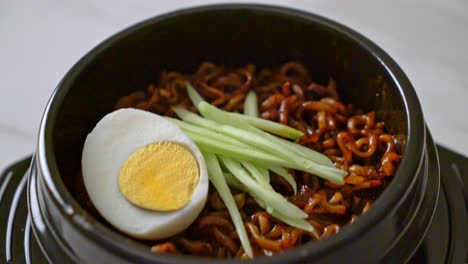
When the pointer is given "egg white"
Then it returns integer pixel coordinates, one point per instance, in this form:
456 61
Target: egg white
117 136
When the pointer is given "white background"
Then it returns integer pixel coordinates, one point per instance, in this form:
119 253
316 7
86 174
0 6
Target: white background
40 40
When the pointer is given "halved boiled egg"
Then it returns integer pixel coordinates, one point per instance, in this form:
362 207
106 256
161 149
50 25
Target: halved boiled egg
143 174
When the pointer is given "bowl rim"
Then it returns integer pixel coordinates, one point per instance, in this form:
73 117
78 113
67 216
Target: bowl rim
110 239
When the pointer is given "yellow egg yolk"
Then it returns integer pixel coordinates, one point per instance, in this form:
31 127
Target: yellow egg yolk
160 177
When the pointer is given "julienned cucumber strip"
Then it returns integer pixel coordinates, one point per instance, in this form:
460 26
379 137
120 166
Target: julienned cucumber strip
260 157
300 150
217 179
250 104
231 180
193 118
251 117
221 138
265 173
261 173
270 126
272 198
299 223
286 175
194 96
257 174
332 174
207 144
293 161
206 140
223 117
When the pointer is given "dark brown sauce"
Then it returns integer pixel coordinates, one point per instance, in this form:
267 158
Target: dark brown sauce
354 141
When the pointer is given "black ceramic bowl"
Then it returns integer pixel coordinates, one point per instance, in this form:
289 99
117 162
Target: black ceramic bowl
232 35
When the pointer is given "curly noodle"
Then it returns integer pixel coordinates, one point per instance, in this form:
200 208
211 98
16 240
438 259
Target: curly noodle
355 142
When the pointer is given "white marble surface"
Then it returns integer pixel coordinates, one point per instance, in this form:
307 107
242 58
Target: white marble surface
41 39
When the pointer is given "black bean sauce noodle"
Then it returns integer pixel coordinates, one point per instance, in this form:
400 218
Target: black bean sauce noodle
355 142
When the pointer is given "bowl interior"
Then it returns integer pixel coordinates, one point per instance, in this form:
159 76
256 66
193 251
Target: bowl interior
230 36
